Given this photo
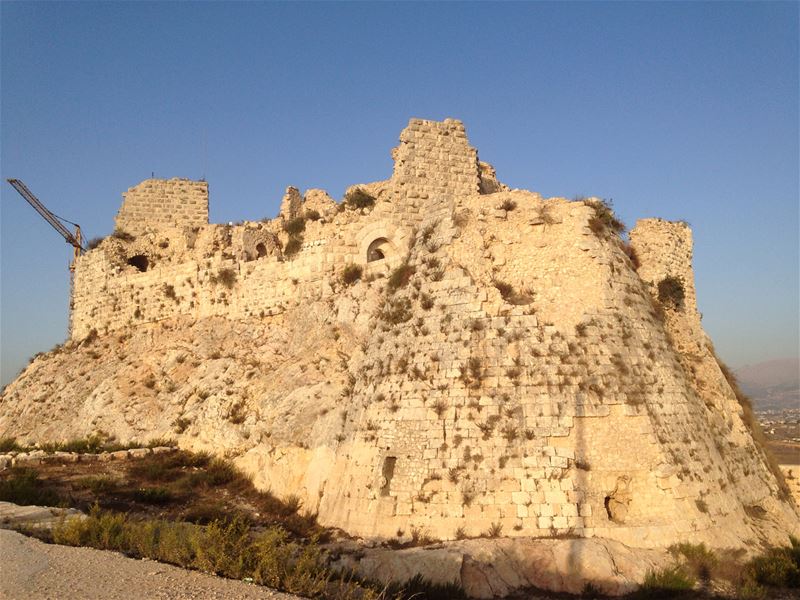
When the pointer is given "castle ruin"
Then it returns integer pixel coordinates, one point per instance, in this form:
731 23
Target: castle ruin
494 359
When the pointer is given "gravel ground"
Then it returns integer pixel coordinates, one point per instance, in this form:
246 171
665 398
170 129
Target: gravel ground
33 570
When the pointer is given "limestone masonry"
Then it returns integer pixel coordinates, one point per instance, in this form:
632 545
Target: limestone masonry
437 353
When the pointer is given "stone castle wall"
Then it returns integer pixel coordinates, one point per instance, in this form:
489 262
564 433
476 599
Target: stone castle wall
185 256
522 380
163 202
498 414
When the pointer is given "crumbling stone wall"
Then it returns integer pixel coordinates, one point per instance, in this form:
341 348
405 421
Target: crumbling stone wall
435 161
163 202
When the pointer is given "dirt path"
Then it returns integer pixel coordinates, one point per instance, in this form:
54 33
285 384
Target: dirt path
33 570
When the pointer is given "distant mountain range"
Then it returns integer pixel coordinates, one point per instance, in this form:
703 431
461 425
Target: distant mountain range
772 385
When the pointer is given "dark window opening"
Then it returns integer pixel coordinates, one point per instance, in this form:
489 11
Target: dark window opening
388 472
140 262
378 250
261 250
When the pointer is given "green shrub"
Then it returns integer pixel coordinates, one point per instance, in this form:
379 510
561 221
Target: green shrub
425 301
181 424
169 292
603 219
220 472
226 277
292 246
419 588
699 559
671 292
295 227
94 243
152 495
351 274
397 310
400 277
630 252
495 530
358 198
508 205
313 215
9 444
777 567
123 236
99 484
23 486
93 444
510 295
666 582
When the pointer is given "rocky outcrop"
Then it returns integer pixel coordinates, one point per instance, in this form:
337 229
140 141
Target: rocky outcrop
494 568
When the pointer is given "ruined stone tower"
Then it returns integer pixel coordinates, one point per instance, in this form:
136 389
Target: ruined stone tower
491 359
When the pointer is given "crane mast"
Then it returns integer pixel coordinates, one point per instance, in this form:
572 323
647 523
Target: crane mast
73 239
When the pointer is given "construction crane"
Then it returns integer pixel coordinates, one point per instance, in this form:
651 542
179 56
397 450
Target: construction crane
74 239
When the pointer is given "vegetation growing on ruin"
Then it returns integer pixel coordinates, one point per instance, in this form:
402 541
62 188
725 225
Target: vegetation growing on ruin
351 274
225 277
397 310
123 236
400 277
508 205
292 247
671 292
630 252
295 227
603 219
94 243
359 198
511 295
92 444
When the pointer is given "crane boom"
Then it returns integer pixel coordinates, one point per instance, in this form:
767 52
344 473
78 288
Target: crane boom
72 239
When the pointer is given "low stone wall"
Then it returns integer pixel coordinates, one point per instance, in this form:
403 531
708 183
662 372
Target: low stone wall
40 457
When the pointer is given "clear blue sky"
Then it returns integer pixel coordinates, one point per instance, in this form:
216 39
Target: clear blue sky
684 111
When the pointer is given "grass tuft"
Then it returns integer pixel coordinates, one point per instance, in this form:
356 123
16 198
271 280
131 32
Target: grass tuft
359 198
